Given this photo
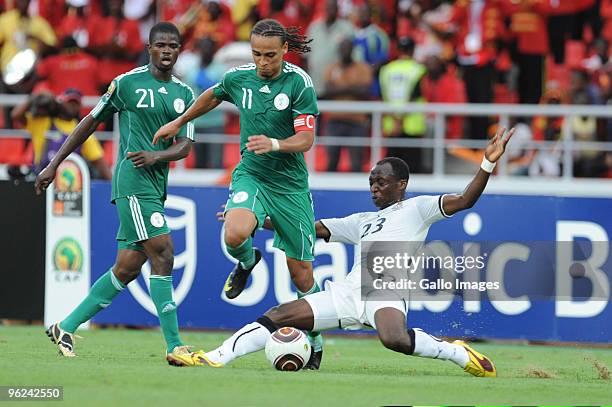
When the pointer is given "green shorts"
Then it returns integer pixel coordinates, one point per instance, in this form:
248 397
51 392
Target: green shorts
140 219
291 214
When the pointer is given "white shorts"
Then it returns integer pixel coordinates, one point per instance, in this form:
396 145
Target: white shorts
341 306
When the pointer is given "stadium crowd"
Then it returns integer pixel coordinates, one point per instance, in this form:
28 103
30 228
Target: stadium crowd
398 51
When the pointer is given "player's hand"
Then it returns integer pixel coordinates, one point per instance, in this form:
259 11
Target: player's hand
259 144
220 217
167 131
44 179
142 158
497 145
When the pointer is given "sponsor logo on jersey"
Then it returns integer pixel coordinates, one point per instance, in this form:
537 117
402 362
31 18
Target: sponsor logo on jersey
240 197
264 89
179 105
157 219
281 101
163 90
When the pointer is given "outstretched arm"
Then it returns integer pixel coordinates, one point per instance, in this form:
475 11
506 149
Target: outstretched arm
203 104
495 149
82 131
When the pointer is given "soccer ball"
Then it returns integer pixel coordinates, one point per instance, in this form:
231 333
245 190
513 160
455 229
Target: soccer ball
288 349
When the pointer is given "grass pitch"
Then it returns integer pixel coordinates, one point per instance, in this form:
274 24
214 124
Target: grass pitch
126 367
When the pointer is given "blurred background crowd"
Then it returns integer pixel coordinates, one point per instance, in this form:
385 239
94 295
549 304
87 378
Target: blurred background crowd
398 51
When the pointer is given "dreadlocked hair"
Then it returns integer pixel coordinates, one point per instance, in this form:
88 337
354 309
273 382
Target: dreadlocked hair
272 28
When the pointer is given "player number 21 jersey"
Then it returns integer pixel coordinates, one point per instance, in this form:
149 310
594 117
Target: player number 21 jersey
144 104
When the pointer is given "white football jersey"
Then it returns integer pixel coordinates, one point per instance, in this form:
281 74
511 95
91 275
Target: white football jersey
406 221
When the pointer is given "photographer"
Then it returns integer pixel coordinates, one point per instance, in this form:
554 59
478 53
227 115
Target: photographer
50 121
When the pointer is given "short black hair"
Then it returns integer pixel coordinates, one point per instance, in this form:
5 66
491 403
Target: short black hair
401 170
164 27
406 44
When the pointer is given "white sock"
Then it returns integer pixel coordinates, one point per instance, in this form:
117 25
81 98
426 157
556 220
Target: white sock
250 338
428 346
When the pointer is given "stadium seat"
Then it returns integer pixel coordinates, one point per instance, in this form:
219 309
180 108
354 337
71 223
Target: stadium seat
575 52
558 73
13 151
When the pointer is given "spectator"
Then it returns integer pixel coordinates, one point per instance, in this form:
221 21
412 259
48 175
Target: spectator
214 21
441 85
288 13
580 84
479 27
400 83
115 40
599 62
19 30
347 79
567 18
142 11
200 78
520 156
71 68
50 122
326 34
77 23
587 163
605 13
528 19
371 45
547 161
244 17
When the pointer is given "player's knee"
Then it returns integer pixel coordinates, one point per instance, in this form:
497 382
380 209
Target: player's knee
125 275
392 341
163 261
235 235
301 275
276 315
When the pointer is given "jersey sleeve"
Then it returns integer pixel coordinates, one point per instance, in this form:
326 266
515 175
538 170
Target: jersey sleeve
109 103
220 89
188 130
430 208
343 230
305 102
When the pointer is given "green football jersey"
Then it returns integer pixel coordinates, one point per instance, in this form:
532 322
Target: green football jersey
144 104
268 107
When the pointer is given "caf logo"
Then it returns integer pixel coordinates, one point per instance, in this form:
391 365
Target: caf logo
68 178
68 255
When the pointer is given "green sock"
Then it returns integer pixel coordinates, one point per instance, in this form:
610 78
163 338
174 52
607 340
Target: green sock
100 296
315 338
161 294
243 253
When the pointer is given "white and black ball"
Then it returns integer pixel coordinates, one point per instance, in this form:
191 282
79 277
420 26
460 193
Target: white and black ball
288 349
